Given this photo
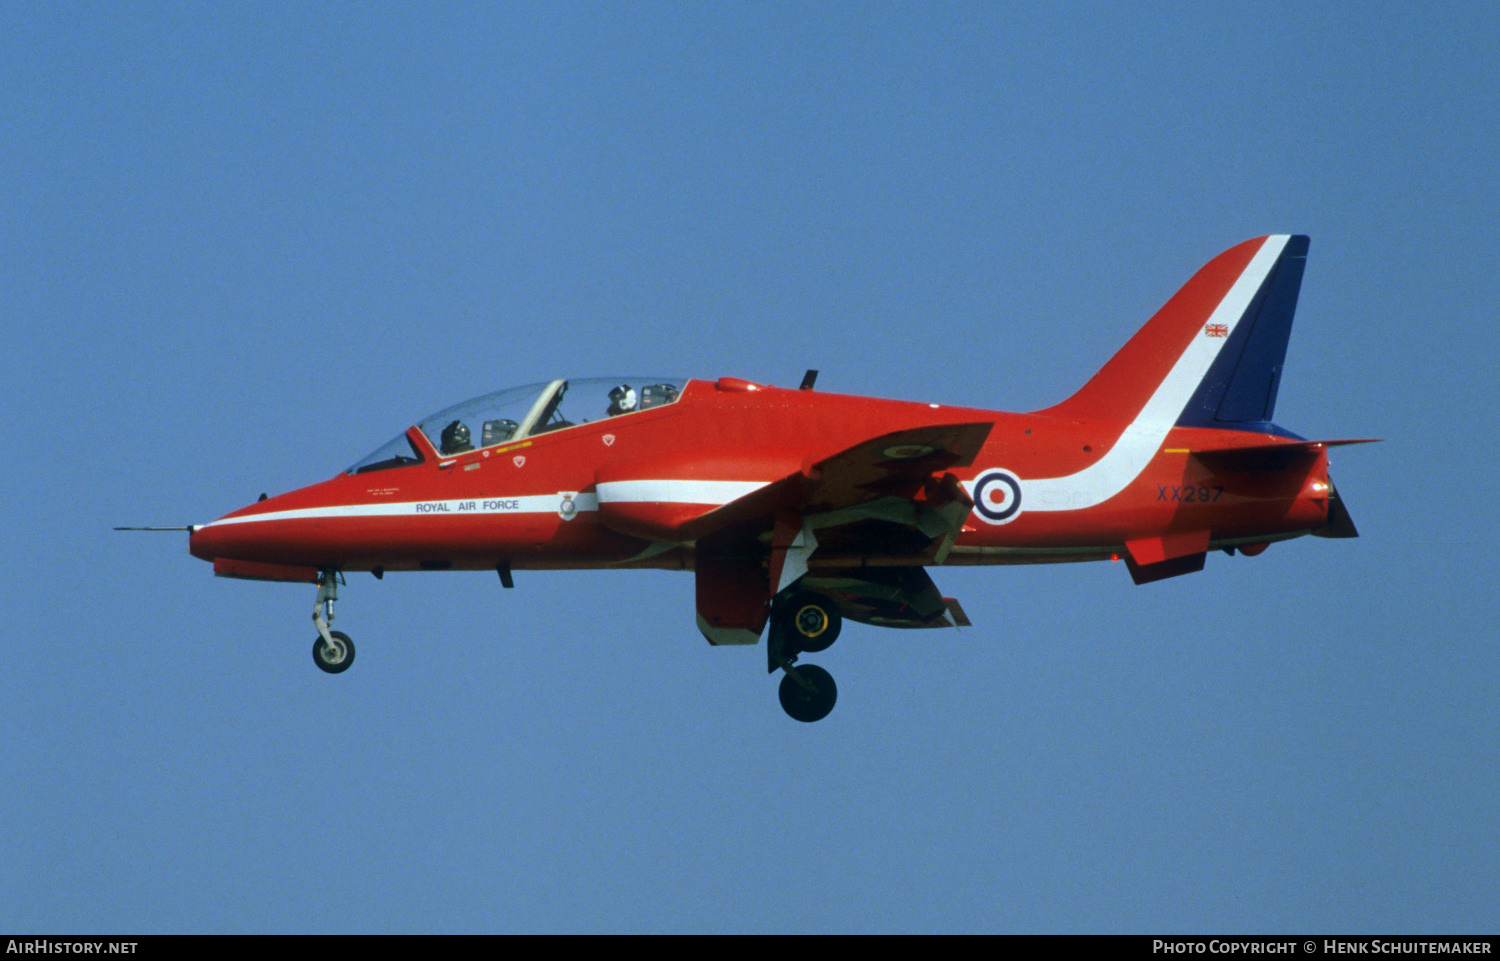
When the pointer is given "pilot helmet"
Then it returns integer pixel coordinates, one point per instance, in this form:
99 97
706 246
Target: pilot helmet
621 399
456 437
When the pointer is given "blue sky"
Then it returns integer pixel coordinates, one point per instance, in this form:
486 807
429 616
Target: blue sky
247 244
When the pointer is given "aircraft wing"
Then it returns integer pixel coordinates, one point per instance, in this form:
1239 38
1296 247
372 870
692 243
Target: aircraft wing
897 478
893 498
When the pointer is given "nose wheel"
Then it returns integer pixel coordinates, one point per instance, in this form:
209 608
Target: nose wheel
334 654
332 651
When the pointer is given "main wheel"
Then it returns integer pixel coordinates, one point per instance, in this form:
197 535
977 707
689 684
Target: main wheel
812 622
808 705
337 658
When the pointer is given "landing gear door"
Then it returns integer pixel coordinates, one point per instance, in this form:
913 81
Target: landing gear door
733 595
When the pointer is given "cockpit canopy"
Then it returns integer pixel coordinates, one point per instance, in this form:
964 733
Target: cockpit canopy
521 412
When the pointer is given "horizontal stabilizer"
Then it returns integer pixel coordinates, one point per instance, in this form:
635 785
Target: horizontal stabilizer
1268 456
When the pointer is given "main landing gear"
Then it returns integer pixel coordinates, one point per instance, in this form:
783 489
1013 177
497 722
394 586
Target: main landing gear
804 623
332 650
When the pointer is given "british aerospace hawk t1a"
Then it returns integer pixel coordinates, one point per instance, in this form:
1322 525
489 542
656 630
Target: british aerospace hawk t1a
796 509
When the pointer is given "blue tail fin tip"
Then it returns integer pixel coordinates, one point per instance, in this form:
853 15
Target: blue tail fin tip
1239 390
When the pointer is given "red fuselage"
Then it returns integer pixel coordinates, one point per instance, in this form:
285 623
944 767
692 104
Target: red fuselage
612 491
797 510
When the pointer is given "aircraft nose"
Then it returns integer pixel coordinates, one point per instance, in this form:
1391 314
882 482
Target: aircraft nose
206 541
223 537
244 549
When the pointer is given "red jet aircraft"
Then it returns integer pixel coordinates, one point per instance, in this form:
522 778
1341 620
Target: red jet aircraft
799 508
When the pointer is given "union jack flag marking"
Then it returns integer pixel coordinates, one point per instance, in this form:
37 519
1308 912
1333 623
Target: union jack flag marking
1217 330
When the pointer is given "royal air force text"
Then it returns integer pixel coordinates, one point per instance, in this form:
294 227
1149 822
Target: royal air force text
444 507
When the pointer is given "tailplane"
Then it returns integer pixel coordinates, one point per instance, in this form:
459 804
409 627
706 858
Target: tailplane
1212 356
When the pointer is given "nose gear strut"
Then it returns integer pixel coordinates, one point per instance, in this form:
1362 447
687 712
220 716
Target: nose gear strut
333 651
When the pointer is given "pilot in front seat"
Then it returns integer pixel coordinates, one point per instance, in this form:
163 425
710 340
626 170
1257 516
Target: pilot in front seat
456 438
621 400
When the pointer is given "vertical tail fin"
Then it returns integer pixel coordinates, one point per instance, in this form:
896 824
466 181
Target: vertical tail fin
1212 356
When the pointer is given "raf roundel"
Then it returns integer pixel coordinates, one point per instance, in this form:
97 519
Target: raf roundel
907 451
997 496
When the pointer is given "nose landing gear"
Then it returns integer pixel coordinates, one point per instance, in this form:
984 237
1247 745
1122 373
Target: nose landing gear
332 651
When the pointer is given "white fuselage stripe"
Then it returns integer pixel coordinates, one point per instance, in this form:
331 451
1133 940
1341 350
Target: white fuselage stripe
528 504
663 491
667 491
